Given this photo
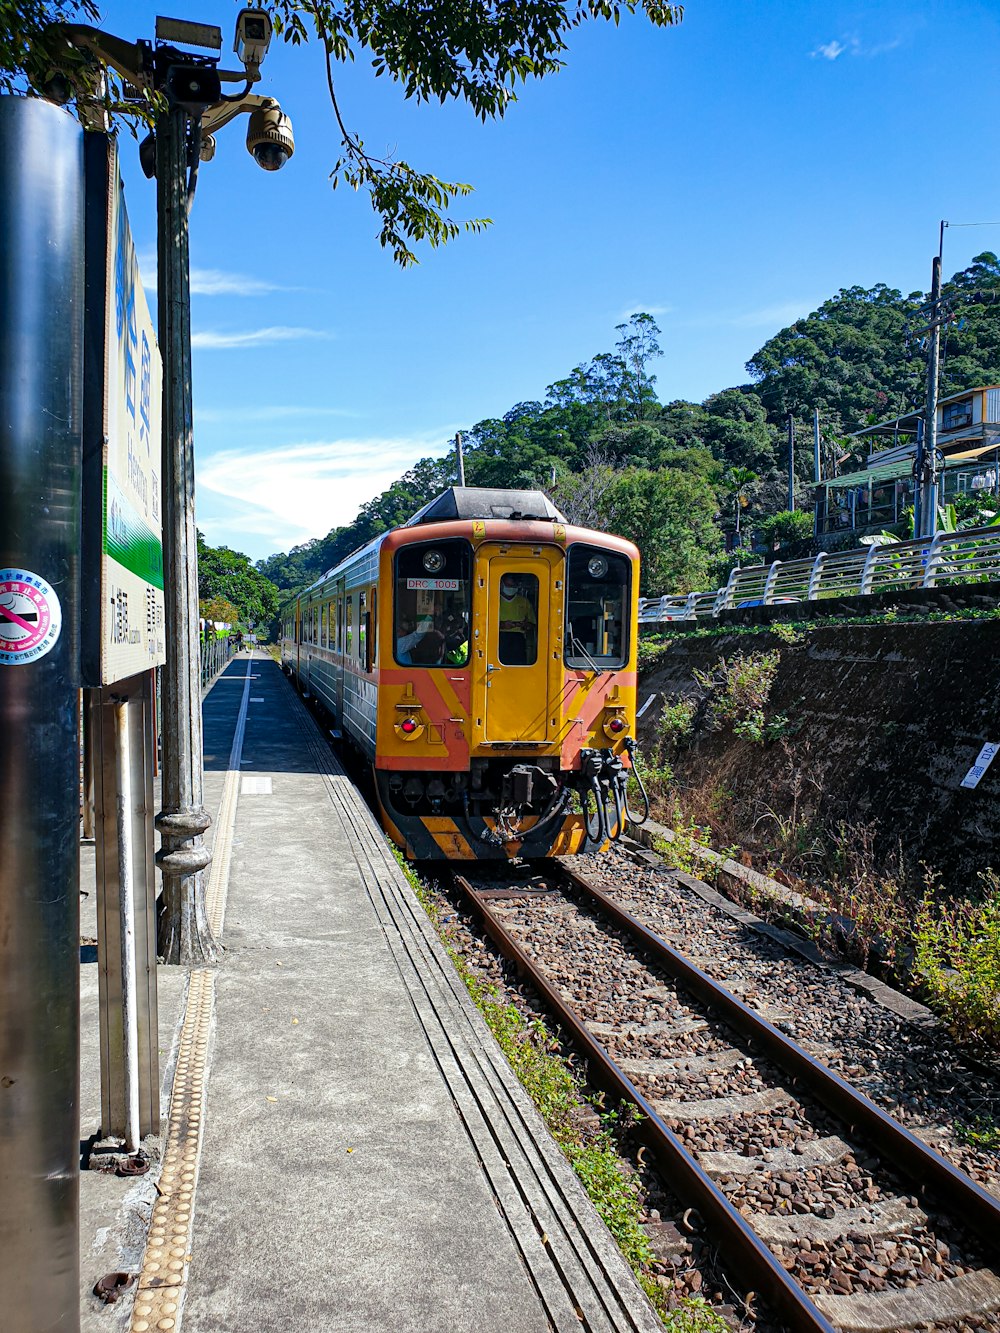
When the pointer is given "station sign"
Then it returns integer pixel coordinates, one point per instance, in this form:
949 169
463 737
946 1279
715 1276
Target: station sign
123 550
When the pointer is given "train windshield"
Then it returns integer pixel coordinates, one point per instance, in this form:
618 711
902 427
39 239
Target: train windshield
596 608
433 599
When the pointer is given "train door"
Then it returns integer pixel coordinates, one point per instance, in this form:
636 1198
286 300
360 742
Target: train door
518 633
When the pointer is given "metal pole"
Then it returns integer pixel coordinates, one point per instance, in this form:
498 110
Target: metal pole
126 904
41 447
817 462
791 462
928 506
87 764
184 934
461 458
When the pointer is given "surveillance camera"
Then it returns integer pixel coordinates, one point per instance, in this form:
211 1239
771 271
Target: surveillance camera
269 137
147 156
253 37
207 150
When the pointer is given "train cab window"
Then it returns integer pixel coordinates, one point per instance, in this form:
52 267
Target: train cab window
597 585
517 640
433 604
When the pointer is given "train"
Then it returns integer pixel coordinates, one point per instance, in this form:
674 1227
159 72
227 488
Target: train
482 659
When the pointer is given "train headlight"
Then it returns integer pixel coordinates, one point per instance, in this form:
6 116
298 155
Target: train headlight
597 566
615 727
433 562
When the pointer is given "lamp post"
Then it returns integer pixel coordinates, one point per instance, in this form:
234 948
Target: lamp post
189 89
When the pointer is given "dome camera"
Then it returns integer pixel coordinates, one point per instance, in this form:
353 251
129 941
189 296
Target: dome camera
269 137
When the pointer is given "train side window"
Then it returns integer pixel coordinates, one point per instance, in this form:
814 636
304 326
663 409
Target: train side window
322 626
363 628
597 605
349 634
433 601
372 631
517 639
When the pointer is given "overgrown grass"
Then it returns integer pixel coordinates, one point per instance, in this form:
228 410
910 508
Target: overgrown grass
957 959
616 1193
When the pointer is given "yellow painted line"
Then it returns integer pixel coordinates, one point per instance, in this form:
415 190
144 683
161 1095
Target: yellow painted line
222 852
163 1278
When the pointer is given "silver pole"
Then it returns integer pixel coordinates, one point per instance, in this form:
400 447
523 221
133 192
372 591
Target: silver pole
461 458
126 904
817 462
929 502
184 936
791 462
41 449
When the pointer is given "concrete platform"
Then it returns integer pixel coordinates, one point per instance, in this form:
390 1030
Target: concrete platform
355 1153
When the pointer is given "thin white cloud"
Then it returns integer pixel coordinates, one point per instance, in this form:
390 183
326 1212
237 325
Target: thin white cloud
278 412
768 316
853 45
642 308
783 313
277 333
214 282
288 494
209 281
829 50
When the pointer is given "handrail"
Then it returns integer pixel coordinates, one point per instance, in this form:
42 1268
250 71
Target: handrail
215 654
969 556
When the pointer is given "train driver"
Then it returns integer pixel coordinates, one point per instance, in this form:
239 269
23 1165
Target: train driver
517 624
419 643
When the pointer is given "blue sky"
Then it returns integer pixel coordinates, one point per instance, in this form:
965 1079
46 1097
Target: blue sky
725 175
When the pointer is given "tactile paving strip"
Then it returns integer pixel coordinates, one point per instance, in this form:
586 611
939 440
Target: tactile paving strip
164 1272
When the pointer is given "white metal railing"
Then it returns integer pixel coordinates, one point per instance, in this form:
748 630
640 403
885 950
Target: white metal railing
215 654
972 556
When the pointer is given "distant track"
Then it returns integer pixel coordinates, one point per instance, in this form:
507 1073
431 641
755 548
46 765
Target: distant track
743 1241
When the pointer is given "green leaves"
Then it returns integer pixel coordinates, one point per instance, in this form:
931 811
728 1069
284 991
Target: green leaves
453 50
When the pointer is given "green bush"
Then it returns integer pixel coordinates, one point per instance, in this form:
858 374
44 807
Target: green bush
957 959
791 525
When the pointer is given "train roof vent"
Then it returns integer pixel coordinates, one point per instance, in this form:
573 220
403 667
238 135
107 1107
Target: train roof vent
486 502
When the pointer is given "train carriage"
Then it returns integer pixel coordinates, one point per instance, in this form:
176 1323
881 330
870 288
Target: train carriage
483 658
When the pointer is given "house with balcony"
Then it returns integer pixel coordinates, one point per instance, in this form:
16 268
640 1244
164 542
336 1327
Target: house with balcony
875 497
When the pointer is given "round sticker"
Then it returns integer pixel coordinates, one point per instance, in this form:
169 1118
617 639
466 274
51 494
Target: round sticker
30 617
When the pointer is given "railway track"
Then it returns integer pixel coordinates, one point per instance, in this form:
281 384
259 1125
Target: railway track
788 1165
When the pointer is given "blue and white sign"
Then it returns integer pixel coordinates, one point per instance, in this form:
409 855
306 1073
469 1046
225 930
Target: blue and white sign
983 761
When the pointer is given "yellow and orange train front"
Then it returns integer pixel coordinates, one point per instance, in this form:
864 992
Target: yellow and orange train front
472 751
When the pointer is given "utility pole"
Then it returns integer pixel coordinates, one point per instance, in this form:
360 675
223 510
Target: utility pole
460 457
185 936
184 136
791 463
819 508
927 473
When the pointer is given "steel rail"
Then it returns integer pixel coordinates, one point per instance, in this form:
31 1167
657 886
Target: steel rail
924 1168
747 1256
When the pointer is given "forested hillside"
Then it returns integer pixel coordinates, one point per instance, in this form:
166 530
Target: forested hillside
674 476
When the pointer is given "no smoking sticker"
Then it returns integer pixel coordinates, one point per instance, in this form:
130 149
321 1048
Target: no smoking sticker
30 617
